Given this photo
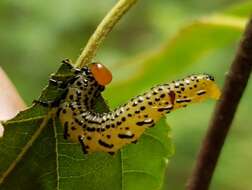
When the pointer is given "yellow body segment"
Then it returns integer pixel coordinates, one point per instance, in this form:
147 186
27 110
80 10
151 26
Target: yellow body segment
108 132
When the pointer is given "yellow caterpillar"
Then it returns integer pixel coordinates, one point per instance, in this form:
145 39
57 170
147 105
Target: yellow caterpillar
108 132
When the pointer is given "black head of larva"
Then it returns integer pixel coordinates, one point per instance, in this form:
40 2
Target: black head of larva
83 78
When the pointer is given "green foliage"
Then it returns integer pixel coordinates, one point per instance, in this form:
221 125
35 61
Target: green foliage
205 45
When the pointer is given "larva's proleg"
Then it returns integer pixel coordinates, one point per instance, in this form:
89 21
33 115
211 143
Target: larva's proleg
108 132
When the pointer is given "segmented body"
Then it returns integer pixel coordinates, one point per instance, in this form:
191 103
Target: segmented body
108 132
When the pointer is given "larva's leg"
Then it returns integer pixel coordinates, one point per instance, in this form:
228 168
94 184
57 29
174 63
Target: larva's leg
83 146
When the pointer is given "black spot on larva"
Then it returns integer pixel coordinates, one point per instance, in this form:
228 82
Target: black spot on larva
98 129
210 77
72 107
125 136
89 138
154 93
162 95
71 97
102 129
145 116
91 129
157 99
201 92
142 108
79 83
147 121
113 125
58 112
137 111
134 104
118 123
103 143
183 89
183 100
93 121
108 136
165 108
81 139
129 115
78 93
140 100
64 111
79 122
195 86
66 130
87 147
123 119
107 126
150 103
126 128
73 128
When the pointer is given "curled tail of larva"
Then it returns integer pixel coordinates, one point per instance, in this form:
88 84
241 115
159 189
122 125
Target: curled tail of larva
195 88
108 132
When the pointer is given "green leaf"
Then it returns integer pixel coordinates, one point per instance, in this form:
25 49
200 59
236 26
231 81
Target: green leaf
35 155
139 166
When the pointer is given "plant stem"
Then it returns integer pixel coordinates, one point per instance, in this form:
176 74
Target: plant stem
235 83
102 31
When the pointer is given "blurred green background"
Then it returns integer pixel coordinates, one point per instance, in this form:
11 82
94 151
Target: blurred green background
157 41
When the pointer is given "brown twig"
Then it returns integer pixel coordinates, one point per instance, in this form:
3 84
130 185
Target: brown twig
107 24
235 83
